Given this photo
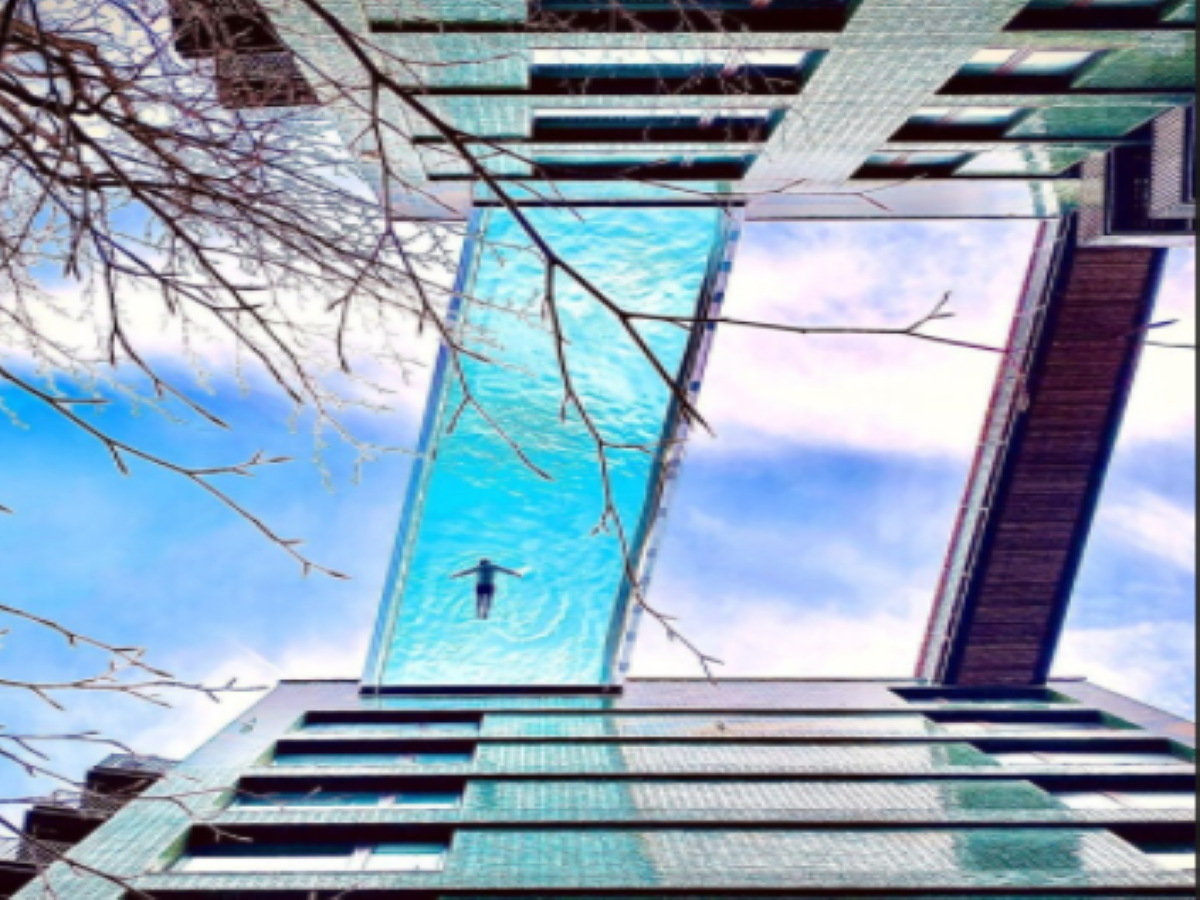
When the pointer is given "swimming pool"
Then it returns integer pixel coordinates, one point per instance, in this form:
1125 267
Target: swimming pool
472 497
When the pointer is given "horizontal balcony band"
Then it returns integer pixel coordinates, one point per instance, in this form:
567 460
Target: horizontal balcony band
764 21
1117 740
964 86
281 776
749 137
657 819
1006 712
1145 19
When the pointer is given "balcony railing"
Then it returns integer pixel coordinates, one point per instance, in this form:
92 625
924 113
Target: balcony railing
87 804
37 854
148 765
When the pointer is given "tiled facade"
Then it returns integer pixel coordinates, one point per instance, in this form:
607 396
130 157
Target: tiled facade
674 787
1081 79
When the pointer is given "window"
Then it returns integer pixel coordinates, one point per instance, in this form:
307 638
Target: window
600 62
406 858
1111 800
394 729
909 165
1028 63
995 117
334 760
1094 4
983 696
1021 728
401 857
333 799
1082 758
1177 857
675 125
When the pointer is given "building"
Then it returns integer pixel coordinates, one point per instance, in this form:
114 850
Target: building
771 788
797 108
473 773
54 825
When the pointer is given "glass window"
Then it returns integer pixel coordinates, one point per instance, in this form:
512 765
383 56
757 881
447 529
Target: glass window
335 760
399 857
967 117
1009 728
1089 800
1028 63
902 161
407 858
1066 758
1177 857
393 729
1167 800
311 799
633 112
254 858
429 799
690 58
335 799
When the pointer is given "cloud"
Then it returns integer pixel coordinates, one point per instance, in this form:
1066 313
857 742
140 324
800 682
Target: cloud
769 393
1165 397
769 636
1157 527
1151 661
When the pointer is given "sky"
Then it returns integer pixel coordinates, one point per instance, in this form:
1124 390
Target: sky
807 538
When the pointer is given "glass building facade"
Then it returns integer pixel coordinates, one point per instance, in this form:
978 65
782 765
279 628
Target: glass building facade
668 788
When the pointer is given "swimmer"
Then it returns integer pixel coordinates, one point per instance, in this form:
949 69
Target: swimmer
485 587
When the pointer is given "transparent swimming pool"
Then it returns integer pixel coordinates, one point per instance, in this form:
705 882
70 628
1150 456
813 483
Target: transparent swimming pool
472 497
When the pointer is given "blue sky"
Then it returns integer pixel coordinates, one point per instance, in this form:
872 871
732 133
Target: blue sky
807 538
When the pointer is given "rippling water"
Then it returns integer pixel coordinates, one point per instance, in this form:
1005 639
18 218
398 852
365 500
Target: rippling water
474 499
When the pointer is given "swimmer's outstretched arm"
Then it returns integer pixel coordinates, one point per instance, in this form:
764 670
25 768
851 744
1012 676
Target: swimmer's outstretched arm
510 572
466 572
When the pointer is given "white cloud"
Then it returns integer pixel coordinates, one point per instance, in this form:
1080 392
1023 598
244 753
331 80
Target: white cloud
769 393
1164 400
1151 661
1155 526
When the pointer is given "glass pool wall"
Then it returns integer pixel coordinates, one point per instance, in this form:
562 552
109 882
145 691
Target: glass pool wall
472 497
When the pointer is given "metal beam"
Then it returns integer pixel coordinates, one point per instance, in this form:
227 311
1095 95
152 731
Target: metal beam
1041 468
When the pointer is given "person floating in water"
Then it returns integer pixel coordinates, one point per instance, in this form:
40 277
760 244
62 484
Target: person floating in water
485 587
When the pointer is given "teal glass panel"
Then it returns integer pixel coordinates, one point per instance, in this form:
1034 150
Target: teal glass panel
407 858
473 498
310 800
337 760
394 729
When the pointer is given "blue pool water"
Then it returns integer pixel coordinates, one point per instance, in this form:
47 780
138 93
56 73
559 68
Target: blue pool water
471 496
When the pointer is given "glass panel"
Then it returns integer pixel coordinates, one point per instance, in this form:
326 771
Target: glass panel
333 760
967 117
689 58
429 800
314 799
393 729
1054 62
1111 759
1088 800
1041 63
407 858
650 113
975 728
988 62
906 160
1156 799
1179 858
269 859
1018 759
